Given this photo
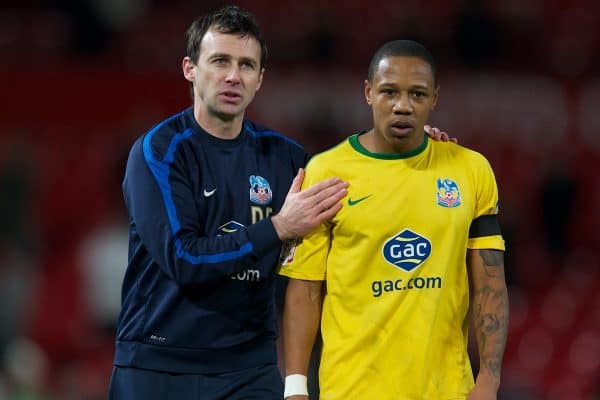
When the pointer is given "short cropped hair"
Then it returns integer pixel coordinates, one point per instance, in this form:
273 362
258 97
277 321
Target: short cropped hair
402 48
229 20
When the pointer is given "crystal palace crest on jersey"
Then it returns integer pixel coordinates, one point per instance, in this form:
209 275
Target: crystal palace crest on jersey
448 194
260 190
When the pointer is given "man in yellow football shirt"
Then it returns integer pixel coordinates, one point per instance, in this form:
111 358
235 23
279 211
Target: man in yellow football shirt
415 250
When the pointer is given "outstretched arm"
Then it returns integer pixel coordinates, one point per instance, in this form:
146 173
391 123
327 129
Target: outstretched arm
489 307
301 317
162 208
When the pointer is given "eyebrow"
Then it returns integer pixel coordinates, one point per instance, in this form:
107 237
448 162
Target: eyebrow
219 55
393 84
228 56
249 60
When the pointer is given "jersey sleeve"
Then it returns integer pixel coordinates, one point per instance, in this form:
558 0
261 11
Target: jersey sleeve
484 232
163 213
306 258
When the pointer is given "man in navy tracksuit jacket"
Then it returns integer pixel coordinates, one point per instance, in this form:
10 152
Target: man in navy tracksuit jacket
209 201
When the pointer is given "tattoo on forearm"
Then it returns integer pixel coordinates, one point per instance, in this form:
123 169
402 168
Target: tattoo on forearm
491 260
491 316
490 312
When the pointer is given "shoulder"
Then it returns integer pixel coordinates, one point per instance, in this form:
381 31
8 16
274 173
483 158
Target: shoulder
263 132
270 137
461 155
159 141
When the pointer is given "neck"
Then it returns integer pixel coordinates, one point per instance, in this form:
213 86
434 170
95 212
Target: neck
375 143
222 127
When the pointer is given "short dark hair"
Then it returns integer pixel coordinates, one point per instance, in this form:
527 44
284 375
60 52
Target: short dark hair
402 48
229 20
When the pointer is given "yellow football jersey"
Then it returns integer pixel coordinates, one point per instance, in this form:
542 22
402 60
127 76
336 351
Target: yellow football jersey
395 312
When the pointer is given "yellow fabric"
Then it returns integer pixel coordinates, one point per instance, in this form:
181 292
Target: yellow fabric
391 333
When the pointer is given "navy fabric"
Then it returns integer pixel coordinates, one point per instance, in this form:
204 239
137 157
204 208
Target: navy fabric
257 383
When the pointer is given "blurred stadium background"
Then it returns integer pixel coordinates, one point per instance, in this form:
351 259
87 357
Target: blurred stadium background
82 78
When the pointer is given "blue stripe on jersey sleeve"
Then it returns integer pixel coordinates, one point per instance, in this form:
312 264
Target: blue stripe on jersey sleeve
212 258
160 170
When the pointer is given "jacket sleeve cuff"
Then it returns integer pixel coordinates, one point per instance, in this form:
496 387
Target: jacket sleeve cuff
263 237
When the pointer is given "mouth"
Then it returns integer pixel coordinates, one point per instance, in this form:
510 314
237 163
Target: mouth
230 96
402 128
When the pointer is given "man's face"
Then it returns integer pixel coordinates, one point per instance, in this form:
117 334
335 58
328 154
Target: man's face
226 75
401 95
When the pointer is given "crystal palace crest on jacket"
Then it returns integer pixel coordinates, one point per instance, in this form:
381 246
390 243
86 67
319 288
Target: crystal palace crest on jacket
260 190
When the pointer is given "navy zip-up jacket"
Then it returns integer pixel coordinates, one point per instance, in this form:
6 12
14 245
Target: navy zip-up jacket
198 293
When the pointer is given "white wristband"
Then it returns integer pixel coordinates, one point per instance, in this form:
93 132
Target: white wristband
295 385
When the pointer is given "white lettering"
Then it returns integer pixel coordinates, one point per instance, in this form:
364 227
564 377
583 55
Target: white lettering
396 251
259 213
250 275
158 338
406 251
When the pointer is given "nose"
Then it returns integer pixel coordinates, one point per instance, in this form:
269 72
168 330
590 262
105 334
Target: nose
233 75
402 105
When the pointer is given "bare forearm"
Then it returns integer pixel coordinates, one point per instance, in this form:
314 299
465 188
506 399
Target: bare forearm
490 312
301 318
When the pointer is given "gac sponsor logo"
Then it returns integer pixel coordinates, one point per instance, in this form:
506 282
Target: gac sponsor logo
249 275
387 286
406 250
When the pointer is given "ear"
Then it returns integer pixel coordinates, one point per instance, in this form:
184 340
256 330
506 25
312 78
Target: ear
435 97
260 79
368 91
187 66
